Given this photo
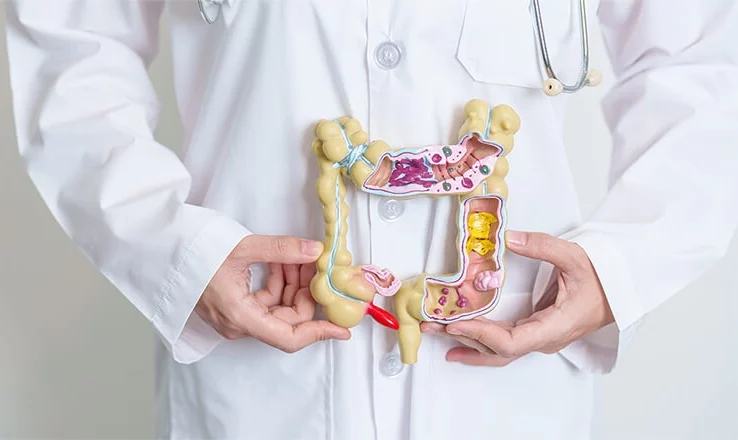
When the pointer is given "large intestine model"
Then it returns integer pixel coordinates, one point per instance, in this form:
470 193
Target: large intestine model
473 171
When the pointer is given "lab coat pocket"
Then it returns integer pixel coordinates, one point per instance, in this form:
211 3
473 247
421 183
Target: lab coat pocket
498 42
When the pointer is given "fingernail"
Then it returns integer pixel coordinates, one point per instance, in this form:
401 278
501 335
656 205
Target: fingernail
516 238
312 248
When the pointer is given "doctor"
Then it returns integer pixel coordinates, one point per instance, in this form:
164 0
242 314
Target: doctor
187 237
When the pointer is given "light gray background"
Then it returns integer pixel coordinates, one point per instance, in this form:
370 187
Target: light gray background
76 359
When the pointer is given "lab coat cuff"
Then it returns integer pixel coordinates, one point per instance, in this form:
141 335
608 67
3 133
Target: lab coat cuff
186 334
599 351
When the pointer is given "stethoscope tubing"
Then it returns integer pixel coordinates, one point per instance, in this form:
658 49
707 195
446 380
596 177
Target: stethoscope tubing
541 37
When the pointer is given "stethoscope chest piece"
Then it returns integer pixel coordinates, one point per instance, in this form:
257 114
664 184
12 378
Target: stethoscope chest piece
553 86
209 10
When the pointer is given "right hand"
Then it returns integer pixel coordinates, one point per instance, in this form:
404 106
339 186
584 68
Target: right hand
282 314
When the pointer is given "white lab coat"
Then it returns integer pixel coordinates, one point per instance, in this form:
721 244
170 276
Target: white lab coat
250 88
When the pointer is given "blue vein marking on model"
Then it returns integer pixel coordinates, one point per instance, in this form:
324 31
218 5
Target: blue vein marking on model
354 154
334 248
489 122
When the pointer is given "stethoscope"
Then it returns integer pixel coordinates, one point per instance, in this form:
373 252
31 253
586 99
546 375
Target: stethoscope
210 11
587 77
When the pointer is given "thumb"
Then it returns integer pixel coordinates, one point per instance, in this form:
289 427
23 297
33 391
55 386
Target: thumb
310 332
280 249
291 338
544 247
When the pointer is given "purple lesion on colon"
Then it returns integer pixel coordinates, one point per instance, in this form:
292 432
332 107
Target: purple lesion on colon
409 171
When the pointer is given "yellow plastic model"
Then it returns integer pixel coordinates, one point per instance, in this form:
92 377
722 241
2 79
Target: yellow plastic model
472 171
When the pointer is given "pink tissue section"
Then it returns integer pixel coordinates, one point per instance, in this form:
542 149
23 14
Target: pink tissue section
383 280
488 280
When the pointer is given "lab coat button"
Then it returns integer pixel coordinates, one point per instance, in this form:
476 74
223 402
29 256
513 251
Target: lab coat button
388 55
391 209
390 365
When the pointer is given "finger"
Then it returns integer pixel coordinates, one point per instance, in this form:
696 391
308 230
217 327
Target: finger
526 320
504 324
292 274
272 295
310 332
476 345
432 328
552 349
229 333
307 272
292 284
551 292
302 310
275 282
472 357
561 253
304 304
292 338
280 249
542 329
435 328
439 329
288 315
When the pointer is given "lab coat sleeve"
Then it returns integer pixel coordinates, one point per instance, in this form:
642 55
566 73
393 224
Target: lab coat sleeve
85 111
672 205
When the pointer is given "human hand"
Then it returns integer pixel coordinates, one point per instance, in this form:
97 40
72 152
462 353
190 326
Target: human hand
577 308
280 315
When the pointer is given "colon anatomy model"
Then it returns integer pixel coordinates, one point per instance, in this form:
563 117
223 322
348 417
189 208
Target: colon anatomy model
472 171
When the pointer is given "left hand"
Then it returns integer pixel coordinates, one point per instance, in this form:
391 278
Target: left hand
577 308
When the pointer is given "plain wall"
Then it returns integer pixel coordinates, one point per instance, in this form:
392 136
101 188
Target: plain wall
76 360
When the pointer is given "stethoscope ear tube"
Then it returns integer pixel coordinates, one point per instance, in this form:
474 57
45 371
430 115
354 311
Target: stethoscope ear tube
553 85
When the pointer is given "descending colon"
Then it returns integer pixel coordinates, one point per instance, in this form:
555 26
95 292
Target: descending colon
480 224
